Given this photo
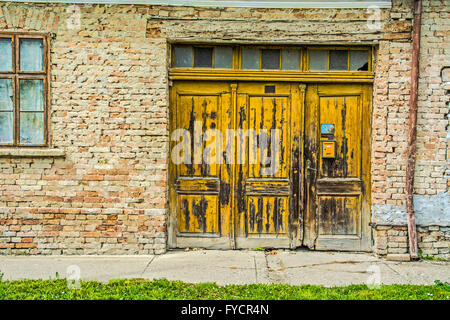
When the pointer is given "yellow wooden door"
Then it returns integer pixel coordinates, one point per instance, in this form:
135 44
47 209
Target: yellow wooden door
200 179
268 177
249 195
337 214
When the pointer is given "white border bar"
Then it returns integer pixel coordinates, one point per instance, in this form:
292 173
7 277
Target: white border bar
231 3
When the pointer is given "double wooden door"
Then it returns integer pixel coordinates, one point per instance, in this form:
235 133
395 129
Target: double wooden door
246 171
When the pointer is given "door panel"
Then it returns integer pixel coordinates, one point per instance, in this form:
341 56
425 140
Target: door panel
266 211
337 214
267 215
201 115
200 179
344 113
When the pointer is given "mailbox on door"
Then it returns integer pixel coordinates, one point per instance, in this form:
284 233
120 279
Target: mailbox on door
328 149
328 144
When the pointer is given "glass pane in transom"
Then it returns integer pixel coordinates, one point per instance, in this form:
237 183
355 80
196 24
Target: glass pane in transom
223 57
318 60
250 58
290 59
359 60
270 59
339 60
182 57
203 57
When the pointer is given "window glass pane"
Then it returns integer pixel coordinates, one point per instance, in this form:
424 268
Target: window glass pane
270 59
31 55
223 57
183 57
6 127
6 95
31 95
250 58
5 54
318 60
339 60
359 60
203 57
31 127
290 59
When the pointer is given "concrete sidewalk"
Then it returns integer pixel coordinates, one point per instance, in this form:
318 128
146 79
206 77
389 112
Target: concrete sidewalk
232 267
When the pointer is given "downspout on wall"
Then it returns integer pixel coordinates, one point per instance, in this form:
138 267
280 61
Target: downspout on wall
411 153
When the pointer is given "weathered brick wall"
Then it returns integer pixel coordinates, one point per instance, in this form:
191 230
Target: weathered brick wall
433 241
109 113
432 198
433 108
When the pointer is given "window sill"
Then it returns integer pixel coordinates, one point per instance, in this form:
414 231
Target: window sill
31 153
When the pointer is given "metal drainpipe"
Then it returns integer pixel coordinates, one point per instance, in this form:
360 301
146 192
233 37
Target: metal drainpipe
410 166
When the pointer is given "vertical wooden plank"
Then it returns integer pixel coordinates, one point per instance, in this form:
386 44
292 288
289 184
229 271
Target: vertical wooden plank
283 116
256 114
296 112
366 116
241 169
172 219
226 169
311 156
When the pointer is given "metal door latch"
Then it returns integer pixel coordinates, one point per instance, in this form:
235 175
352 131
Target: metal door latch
308 168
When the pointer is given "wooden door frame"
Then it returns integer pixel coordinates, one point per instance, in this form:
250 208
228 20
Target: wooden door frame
302 198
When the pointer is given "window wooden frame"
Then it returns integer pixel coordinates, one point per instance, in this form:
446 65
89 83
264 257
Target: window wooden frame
280 62
301 75
16 75
348 49
213 47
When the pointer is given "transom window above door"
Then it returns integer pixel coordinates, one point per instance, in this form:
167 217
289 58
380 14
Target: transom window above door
23 89
272 58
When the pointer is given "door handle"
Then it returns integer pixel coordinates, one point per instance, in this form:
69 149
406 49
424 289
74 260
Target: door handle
308 165
308 169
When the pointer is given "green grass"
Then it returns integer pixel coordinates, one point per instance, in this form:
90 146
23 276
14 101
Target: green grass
173 290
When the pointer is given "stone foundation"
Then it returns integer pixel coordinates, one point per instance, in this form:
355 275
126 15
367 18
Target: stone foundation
433 241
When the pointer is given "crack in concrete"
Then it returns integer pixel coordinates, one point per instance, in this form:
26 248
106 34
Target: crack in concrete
305 266
323 264
398 273
148 265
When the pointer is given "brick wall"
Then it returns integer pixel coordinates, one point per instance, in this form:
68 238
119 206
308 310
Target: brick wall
432 198
433 107
109 113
